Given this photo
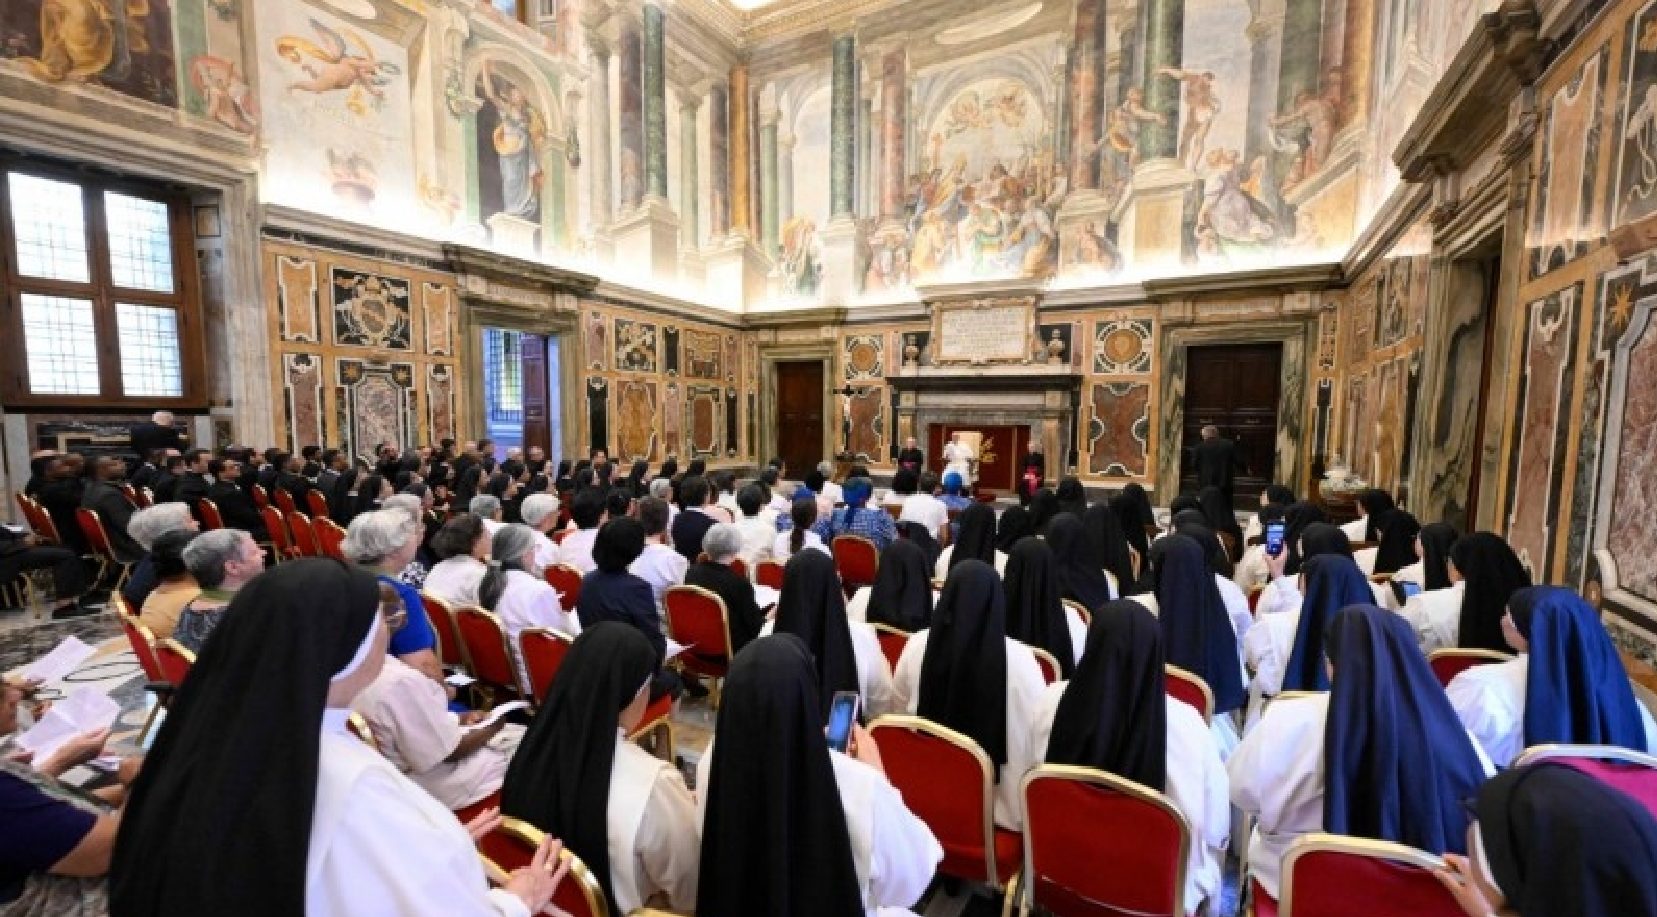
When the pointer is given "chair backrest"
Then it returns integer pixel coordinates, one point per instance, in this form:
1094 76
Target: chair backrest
566 581
511 846
769 573
329 537
317 502
304 535
1076 818
92 526
211 518
442 618
857 560
40 521
284 500
1080 609
1329 875
142 642
892 642
1182 685
543 650
1448 663
949 783
486 648
1050 671
1633 772
130 492
144 497
261 499
737 565
173 660
699 619
276 527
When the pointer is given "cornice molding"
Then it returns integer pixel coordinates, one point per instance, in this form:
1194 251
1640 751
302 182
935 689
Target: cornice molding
1264 281
319 229
467 260
1397 213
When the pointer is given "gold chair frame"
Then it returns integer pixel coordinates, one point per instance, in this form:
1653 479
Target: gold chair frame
1615 753
1106 781
1080 609
1173 671
724 622
528 834
1041 654
1320 842
854 538
518 675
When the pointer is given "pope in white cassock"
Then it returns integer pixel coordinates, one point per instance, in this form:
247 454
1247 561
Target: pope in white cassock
960 459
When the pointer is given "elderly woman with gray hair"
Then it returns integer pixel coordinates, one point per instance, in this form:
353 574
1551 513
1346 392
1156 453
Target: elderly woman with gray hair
540 512
513 589
384 541
488 508
222 561
145 527
713 572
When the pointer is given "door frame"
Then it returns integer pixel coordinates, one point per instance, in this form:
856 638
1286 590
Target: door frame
1294 334
769 356
475 315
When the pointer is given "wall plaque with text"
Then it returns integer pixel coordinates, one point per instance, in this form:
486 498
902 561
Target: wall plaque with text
983 331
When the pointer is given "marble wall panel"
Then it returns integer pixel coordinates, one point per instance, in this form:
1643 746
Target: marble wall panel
440 402
703 353
635 413
1123 346
598 413
673 416
862 357
867 413
371 310
597 340
1541 426
635 346
1568 151
1445 452
375 404
302 399
1118 432
438 303
1634 145
1631 497
704 420
297 299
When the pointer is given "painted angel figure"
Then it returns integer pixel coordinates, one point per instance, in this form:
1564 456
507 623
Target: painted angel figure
344 62
960 459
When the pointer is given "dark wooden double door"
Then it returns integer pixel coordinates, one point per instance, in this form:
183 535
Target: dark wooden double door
800 395
1234 387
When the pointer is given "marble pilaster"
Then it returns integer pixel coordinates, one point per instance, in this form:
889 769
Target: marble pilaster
690 216
655 102
719 162
894 98
631 110
768 204
842 130
1164 48
598 141
1087 96
863 180
741 156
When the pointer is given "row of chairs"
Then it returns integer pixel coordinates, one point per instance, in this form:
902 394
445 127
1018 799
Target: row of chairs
92 530
289 534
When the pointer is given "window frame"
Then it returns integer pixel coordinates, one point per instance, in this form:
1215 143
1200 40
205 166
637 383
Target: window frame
101 291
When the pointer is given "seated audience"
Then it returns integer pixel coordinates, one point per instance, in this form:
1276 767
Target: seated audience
758 524
801 534
695 518
21 552
1284 591
904 484
462 549
1197 633
1044 505
1081 579
487 508
955 496
540 513
383 542
1379 755
847 652
610 593
1014 526
60 495
1072 496
1431 552
788 826
713 572
257 783
966 673
587 513
659 565
221 562
1435 610
625 812
832 492
1566 686
414 508
924 507
1221 517
146 526
1286 650
902 595
1036 615
1373 506
1110 548
1397 548
512 588
234 505
855 518
1114 714
174 587
975 541
1273 495
1492 573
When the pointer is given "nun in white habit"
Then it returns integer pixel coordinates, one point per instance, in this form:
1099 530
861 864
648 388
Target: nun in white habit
967 674
257 785
847 653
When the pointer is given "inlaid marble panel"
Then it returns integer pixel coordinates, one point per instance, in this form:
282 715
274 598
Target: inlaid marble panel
863 357
302 398
1631 535
597 338
1122 346
635 346
598 413
1119 424
376 404
704 419
1634 191
297 299
1541 426
673 416
703 353
440 401
635 413
371 310
1567 163
866 410
670 349
1447 454
730 357
438 302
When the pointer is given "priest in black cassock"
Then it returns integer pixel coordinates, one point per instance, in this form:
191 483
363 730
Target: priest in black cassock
910 456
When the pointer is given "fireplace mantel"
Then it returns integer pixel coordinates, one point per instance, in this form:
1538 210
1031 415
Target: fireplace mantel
1044 397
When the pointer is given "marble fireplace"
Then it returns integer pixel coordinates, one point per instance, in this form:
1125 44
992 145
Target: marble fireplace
1043 399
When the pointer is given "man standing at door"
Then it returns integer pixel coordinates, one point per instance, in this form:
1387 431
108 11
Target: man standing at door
1217 462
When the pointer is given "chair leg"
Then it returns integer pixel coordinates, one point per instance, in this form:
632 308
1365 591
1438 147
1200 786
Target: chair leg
126 572
1014 892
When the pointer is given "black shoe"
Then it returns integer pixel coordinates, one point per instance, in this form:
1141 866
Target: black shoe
695 688
73 611
93 601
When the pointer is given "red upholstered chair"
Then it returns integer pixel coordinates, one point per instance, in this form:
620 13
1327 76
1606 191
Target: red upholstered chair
1254 597
512 845
359 728
657 725
949 783
1329 875
329 537
543 650
284 501
92 526
261 498
467 813
1080 609
1630 771
560 533
140 638
769 573
738 565
486 649
892 641
566 581
1050 671
131 493
1077 818
698 619
317 502
40 521
173 660
209 513
451 647
304 535
276 533
1182 685
1448 663
857 561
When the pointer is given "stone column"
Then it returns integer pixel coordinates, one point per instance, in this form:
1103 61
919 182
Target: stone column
1299 70
894 98
1359 38
741 159
768 118
1265 35
690 216
1087 93
842 127
785 176
655 104
1164 42
598 144
631 109
719 162
864 173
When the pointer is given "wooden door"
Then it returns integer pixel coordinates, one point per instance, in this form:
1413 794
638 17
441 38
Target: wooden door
800 416
1234 387
537 394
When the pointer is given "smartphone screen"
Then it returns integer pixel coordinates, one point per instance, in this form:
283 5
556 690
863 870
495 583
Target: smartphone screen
155 716
1274 538
1410 588
842 715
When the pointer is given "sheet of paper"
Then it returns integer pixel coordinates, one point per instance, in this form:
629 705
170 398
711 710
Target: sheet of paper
674 648
64 658
495 714
84 710
765 596
459 680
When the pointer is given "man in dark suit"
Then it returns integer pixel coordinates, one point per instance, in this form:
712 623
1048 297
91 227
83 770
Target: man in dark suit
290 479
695 499
722 543
20 552
156 433
1217 462
910 456
235 505
192 486
165 484
113 508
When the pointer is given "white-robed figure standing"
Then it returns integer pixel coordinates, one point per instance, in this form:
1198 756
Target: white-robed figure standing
960 458
257 800
1114 714
626 813
790 826
965 673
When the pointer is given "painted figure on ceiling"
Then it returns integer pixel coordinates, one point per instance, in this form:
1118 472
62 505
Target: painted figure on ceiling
341 62
1201 104
1309 129
518 139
